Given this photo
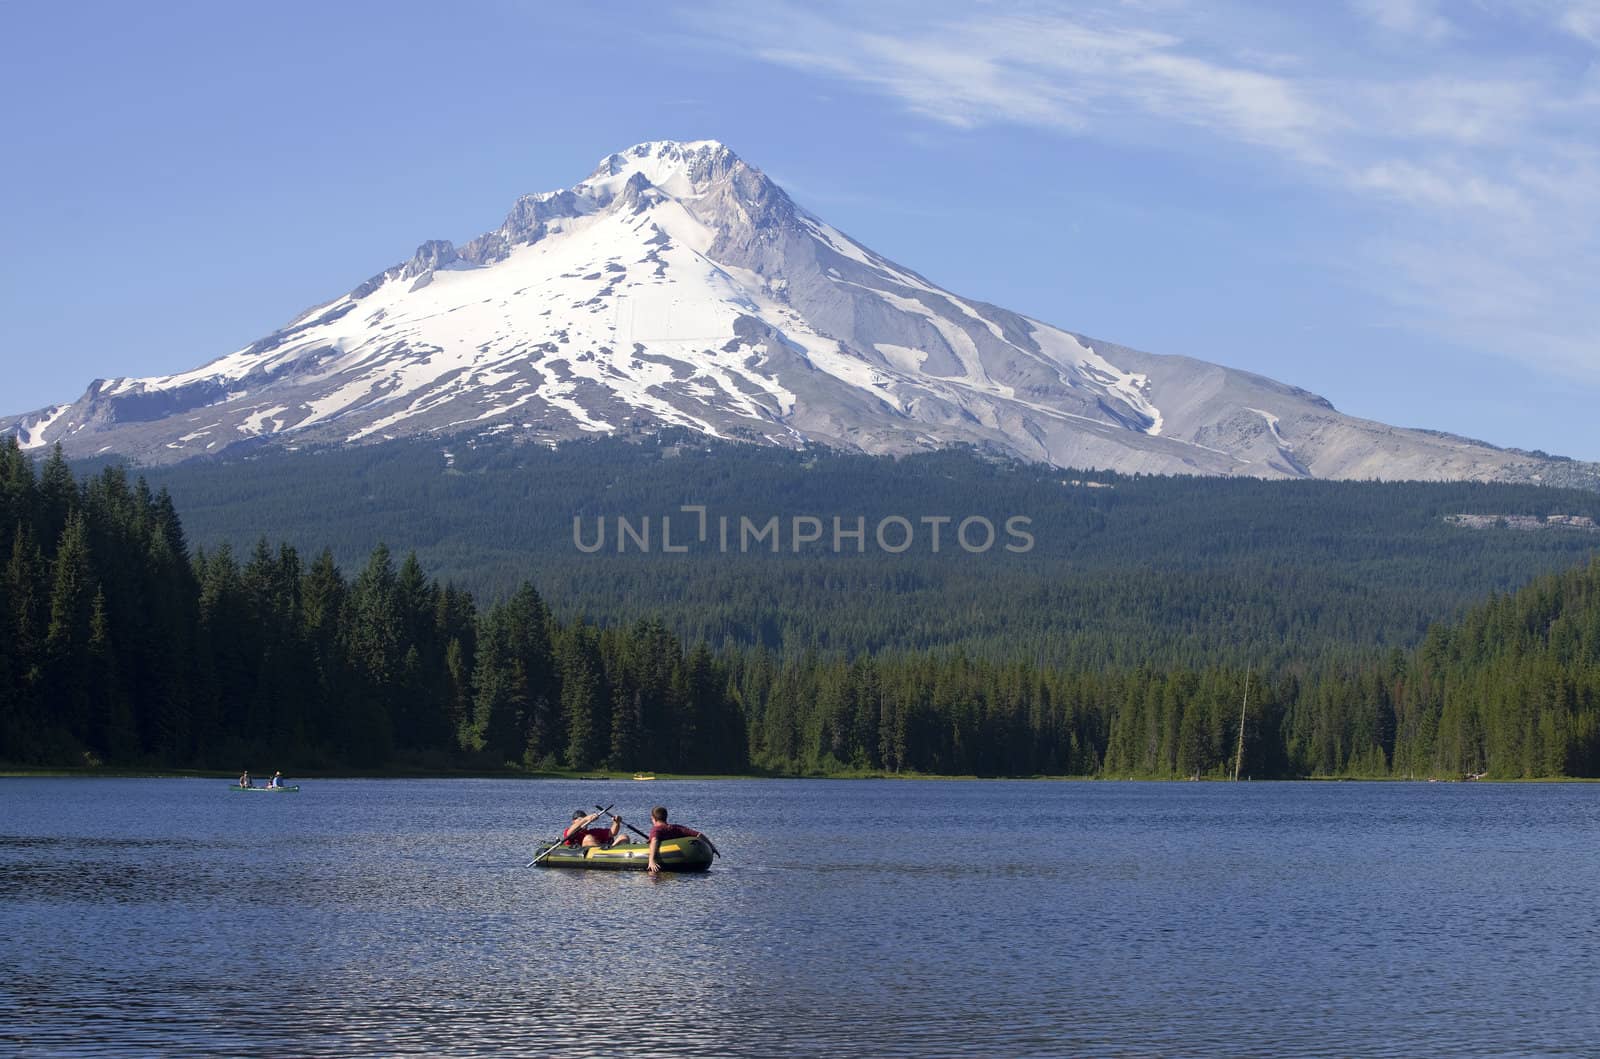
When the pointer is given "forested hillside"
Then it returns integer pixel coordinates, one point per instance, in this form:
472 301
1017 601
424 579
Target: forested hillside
119 646
1124 571
1514 690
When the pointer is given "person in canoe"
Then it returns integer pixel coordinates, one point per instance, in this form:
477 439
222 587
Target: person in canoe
276 781
579 833
660 830
244 780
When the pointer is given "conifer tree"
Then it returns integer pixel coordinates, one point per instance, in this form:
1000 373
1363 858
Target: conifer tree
67 637
111 732
584 699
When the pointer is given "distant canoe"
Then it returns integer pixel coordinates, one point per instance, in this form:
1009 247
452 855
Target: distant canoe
642 776
674 854
267 790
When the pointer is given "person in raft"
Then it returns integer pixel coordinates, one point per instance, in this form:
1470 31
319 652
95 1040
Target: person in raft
579 833
244 780
663 830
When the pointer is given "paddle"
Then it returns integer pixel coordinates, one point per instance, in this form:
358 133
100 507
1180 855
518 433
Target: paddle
635 830
558 842
715 852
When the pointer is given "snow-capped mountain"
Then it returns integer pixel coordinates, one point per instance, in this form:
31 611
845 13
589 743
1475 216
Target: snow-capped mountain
677 285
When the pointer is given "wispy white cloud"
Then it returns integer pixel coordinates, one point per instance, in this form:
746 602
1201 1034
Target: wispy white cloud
1580 18
1575 19
1440 185
1034 69
1434 110
1406 18
1473 144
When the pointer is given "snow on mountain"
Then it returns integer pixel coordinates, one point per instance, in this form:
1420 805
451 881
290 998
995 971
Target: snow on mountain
678 286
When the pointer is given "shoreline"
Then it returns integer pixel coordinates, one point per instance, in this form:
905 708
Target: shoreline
42 772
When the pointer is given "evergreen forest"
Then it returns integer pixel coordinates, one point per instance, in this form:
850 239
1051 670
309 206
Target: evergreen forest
1125 571
1163 628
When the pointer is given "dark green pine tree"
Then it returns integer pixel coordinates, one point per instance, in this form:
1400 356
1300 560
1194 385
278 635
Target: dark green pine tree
284 681
417 706
376 654
323 604
701 709
18 486
626 750
376 630
892 727
111 730
514 712
22 627
456 622
221 722
533 626
58 497
585 702
655 659
67 636
497 726
159 633
867 721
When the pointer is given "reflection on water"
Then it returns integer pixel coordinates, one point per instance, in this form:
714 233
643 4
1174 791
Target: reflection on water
163 917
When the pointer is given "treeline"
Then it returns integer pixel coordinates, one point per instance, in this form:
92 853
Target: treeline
120 647
1511 692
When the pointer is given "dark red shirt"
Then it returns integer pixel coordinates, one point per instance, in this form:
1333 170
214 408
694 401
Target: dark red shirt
666 831
575 838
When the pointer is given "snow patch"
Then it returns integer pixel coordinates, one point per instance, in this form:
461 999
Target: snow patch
903 357
1130 387
268 421
1272 425
31 436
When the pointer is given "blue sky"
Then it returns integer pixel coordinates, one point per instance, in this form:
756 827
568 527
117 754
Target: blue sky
1389 202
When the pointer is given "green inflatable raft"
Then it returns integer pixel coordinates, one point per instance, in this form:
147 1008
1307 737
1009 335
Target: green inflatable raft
674 854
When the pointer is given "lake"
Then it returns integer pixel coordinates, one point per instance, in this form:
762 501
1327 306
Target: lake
389 917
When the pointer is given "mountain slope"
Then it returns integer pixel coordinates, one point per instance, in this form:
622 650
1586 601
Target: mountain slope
678 286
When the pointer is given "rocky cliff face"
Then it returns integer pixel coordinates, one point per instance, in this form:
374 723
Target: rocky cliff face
677 285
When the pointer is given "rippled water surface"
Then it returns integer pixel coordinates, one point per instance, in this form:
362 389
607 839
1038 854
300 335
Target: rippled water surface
172 917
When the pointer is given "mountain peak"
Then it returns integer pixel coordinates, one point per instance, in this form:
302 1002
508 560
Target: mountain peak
678 167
